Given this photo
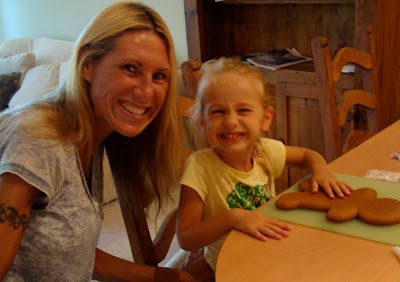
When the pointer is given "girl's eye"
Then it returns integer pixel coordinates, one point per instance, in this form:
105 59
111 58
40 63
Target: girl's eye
214 112
244 110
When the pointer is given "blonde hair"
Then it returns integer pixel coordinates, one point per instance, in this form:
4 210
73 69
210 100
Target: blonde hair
261 154
146 166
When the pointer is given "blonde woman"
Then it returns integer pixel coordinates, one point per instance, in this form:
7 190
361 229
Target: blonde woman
120 93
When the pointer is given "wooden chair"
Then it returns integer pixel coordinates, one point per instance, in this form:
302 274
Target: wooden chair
144 249
334 116
191 75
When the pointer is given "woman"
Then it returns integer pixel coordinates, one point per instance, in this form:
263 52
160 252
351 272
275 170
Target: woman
120 92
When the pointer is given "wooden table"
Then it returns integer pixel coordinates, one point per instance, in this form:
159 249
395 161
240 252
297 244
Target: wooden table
311 254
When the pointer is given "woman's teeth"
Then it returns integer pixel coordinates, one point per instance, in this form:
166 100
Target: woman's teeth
133 110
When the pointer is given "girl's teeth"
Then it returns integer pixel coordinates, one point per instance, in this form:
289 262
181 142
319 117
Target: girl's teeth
231 135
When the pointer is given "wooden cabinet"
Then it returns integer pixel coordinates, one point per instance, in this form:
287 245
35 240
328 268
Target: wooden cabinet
298 121
236 27
229 28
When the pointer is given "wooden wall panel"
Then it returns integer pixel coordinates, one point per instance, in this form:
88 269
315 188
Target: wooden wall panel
388 57
238 29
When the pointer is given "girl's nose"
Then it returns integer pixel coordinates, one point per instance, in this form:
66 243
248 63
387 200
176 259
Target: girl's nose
231 120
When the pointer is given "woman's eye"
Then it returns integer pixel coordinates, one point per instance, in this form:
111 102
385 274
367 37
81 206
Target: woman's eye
130 68
160 76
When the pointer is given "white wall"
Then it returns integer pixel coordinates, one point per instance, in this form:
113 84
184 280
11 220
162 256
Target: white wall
65 19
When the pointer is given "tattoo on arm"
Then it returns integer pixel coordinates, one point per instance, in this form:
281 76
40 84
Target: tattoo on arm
10 215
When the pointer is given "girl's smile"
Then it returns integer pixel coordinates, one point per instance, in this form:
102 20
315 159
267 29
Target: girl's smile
233 116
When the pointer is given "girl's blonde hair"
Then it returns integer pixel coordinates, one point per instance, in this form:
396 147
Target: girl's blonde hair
146 166
209 69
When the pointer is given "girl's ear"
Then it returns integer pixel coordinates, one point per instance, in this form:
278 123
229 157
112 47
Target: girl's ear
202 127
267 120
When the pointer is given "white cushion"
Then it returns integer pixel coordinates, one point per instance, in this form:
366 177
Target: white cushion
64 69
52 51
38 82
16 46
17 63
47 50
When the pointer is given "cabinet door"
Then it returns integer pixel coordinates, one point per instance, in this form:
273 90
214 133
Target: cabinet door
298 123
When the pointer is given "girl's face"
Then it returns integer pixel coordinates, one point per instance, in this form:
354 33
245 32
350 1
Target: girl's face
129 84
233 114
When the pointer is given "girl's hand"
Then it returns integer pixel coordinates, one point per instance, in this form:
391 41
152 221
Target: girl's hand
260 226
327 181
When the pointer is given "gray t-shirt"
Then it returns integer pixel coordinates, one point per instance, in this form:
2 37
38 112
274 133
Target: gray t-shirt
60 238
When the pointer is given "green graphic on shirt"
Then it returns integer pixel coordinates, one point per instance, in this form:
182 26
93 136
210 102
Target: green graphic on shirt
246 197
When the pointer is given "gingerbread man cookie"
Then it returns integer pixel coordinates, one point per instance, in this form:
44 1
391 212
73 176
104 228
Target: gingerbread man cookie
362 203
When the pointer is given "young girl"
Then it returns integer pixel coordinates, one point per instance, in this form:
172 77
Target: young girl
223 185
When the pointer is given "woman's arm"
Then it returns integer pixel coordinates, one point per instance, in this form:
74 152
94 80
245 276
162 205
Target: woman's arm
16 200
193 233
111 268
321 176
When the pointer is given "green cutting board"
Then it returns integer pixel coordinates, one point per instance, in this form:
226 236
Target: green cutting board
389 234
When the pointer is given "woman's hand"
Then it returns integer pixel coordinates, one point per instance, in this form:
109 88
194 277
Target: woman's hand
331 185
260 226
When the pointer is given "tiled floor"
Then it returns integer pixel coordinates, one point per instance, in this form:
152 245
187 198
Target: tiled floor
114 239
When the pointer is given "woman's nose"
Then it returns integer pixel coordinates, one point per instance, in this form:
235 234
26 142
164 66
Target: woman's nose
145 87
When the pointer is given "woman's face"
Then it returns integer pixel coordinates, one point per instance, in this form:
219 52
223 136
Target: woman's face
128 84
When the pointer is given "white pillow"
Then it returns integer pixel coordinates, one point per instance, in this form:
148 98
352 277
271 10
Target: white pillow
64 70
16 46
17 63
52 51
38 82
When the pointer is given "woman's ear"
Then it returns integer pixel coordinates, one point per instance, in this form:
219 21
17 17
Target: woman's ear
87 70
267 120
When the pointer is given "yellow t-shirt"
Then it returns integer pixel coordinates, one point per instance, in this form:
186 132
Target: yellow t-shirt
222 187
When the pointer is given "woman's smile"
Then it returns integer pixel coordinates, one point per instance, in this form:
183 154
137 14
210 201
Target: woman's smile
132 108
129 84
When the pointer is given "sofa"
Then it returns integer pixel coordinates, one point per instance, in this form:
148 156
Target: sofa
33 67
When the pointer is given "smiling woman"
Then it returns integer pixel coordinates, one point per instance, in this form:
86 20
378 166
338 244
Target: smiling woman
129 84
120 94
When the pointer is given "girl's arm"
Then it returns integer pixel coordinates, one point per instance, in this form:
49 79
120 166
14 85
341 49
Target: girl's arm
321 176
16 200
193 233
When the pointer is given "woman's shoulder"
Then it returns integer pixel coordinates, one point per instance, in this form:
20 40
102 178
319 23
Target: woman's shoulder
17 134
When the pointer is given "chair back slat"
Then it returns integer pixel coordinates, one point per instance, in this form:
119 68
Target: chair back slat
355 97
333 115
348 55
191 75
